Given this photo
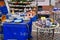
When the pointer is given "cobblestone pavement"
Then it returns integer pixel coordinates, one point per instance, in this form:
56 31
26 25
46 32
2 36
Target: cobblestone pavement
34 37
56 36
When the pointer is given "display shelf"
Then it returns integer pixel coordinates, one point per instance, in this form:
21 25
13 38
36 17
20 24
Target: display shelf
20 3
18 9
19 6
44 13
15 9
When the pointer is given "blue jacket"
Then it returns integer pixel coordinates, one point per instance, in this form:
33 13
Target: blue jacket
4 10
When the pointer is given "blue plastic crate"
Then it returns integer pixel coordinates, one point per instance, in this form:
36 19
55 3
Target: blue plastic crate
15 31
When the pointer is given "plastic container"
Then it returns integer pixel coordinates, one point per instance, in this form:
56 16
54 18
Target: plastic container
15 31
